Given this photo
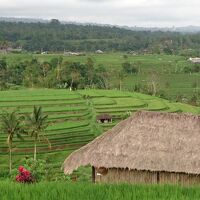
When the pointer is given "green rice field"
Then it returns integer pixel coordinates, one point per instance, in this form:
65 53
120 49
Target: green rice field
72 191
169 69
72 119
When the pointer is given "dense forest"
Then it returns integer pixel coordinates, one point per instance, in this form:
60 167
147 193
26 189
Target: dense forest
54 74
57 37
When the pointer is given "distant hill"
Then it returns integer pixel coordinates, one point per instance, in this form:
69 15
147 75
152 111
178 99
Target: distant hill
25 20
55 36
184 29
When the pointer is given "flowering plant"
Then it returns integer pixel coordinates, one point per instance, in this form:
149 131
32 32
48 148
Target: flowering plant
24 176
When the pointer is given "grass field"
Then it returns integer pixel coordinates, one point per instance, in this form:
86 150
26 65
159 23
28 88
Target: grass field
71 191
171 78
72 118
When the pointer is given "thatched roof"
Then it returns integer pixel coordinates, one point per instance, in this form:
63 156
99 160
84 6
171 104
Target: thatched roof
145 141
195 60
104 116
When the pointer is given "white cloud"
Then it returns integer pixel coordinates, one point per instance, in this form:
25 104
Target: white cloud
122 12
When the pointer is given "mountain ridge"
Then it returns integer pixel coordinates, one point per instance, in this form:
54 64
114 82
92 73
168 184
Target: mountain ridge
181 29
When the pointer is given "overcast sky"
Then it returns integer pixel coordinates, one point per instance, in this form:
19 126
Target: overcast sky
120 12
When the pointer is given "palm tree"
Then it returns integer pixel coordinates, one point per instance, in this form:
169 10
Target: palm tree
37 122
11 126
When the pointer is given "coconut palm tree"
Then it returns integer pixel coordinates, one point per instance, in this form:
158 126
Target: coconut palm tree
12 127
37 123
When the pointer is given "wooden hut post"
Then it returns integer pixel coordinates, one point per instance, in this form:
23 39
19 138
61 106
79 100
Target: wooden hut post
158 177
93 174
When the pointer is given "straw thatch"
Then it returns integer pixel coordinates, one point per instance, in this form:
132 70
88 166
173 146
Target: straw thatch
104 118
145 141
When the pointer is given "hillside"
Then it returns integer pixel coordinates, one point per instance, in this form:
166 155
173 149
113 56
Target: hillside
167 71
55 36
72 117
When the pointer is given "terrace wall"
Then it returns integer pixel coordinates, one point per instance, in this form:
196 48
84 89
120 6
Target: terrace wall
115 175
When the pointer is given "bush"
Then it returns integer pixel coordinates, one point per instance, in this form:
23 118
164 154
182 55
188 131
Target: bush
38 168
24 176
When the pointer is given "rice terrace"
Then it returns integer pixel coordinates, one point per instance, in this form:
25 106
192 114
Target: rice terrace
72 118
90 110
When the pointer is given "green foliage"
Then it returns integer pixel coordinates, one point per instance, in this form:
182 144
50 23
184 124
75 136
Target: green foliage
38 168
195 68
37 122
73 71
72 121
36 125
11 126
129 68
34 37
75 191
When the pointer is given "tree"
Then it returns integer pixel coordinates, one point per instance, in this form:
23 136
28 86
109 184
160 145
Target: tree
15 73
37 123
45 69
121 76
58 68
90 70
129 68
75 75
32 75
3 74
12 127
101 77
194 100
153 83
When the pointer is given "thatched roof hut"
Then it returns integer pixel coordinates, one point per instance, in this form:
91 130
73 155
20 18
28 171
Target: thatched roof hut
104 118
145 142
194 60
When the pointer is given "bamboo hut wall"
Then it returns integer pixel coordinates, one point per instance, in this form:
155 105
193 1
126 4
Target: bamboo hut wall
115 175
179 178
127 176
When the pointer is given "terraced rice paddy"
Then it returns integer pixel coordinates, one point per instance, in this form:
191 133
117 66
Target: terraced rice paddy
69 117
72 118
169 69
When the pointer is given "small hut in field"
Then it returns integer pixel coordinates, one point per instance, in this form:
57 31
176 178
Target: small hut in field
148 147
104 118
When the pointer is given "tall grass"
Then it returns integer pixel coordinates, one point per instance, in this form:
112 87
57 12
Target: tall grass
72 191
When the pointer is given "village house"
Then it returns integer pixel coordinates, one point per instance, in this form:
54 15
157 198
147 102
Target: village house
104 118
99 51
69 53
148 147
194 60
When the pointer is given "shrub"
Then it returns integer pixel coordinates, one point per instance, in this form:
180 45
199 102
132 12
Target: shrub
38 168
24 176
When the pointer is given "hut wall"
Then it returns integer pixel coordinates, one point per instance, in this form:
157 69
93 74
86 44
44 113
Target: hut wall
115 175
126 176
179 178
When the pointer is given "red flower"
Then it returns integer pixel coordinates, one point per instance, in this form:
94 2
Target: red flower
26 173
17 177
24 176
21 169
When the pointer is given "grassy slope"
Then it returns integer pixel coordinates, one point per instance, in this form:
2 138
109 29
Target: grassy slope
170 81
72 118
63 190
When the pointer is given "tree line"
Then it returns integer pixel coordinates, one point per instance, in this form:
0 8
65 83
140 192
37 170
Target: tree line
55 37
53 74
58 73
